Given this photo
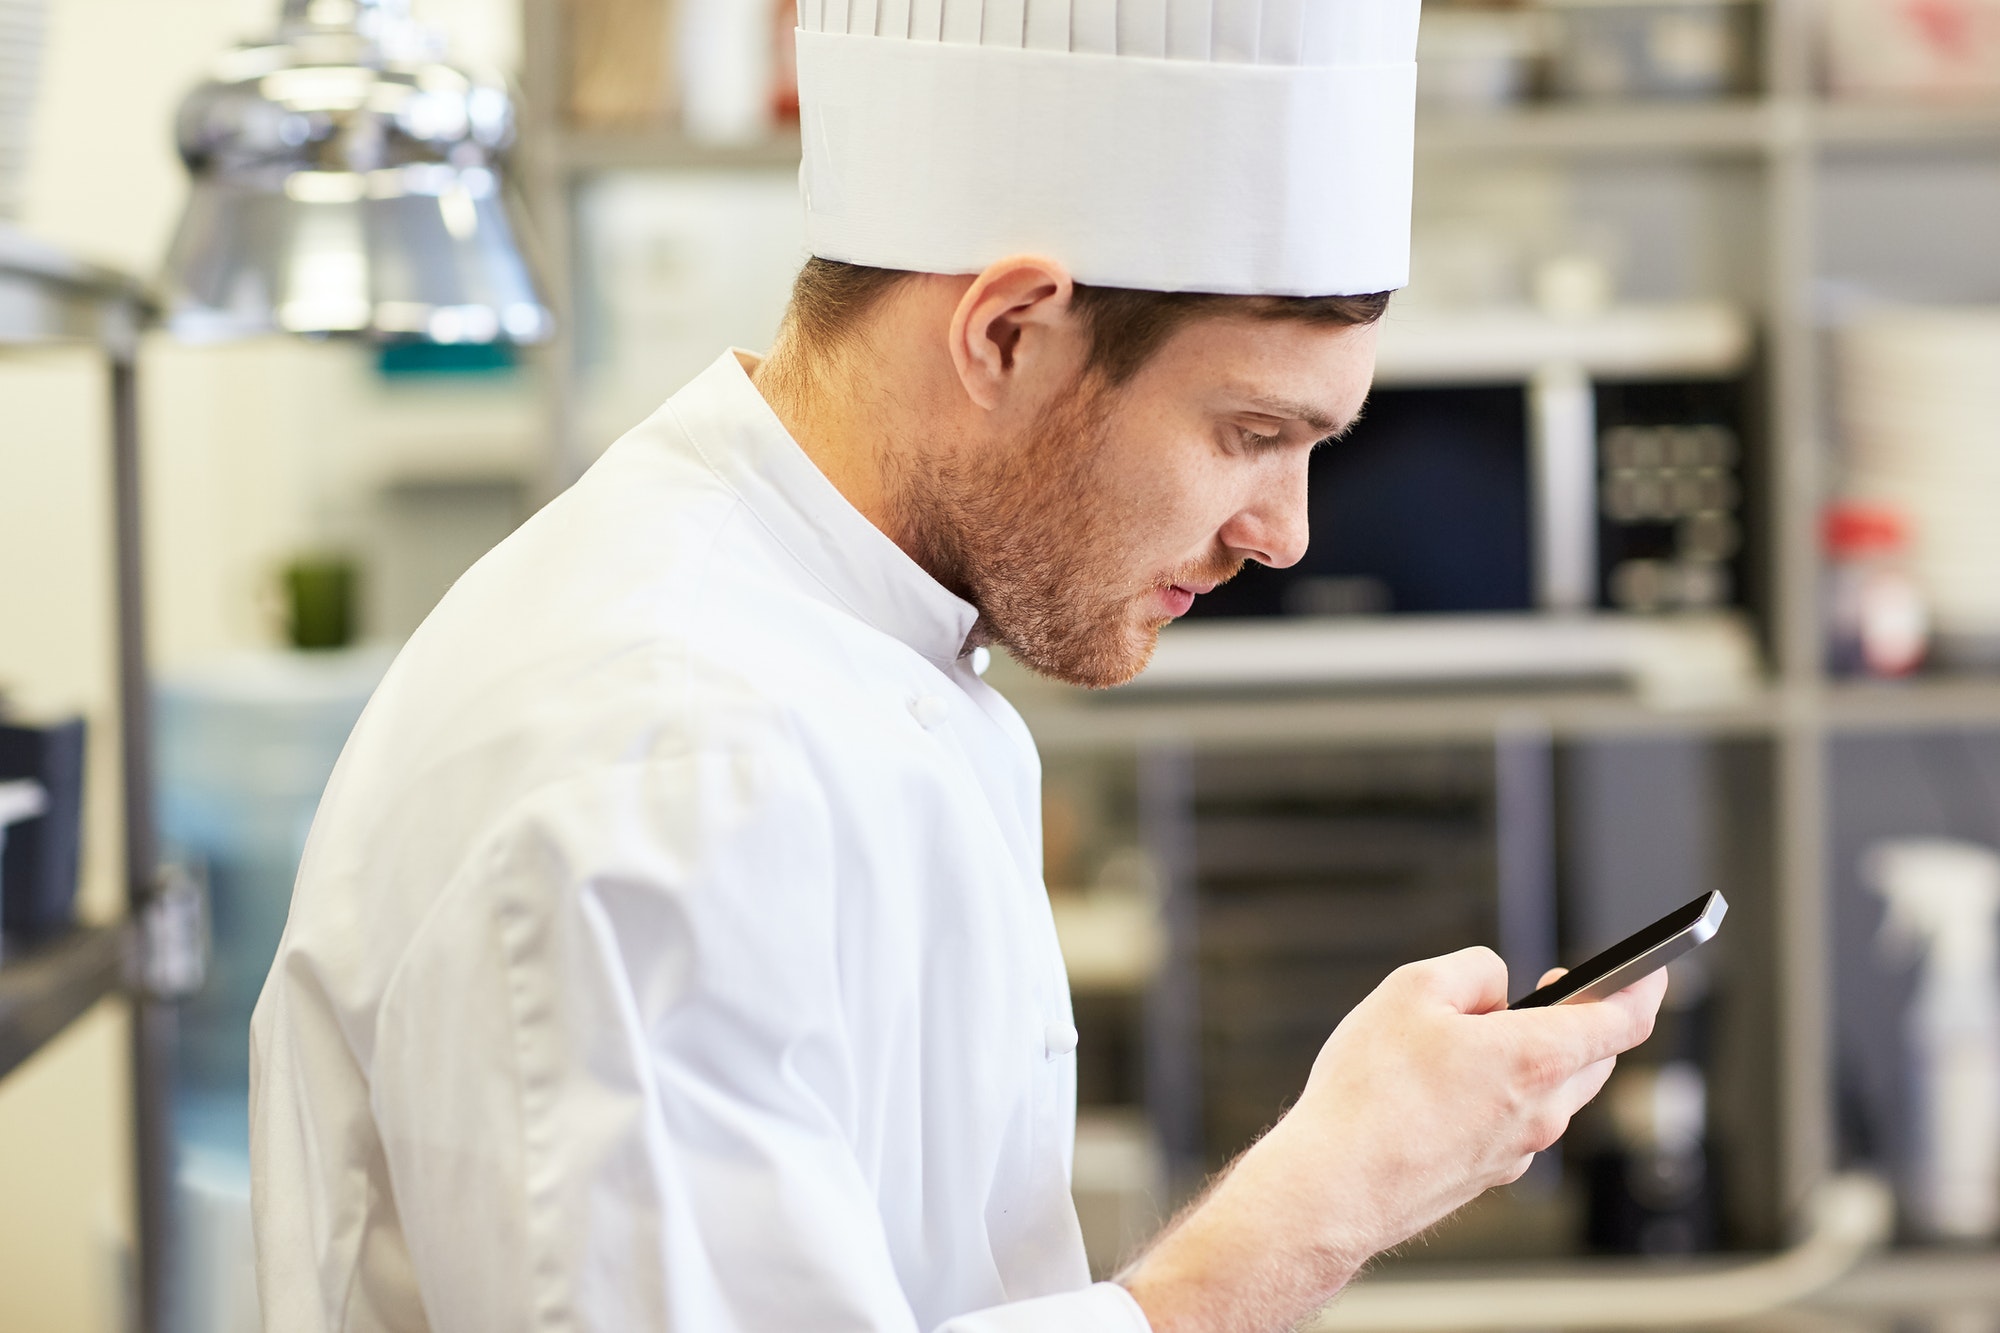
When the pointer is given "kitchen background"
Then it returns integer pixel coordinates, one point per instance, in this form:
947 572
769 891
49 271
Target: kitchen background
1662 561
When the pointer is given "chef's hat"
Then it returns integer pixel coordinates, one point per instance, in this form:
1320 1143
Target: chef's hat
1242 146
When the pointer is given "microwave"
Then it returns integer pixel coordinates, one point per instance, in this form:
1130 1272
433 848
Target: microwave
1528 483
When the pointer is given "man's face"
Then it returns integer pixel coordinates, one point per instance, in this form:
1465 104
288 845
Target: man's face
1080 540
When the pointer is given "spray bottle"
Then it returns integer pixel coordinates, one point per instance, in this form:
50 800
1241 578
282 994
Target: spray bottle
1943 898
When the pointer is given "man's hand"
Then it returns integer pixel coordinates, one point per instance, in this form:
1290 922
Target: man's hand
1428 1094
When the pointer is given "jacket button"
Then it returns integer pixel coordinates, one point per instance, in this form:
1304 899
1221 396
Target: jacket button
929 710
1059 1037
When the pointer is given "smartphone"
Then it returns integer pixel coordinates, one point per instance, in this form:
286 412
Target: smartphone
1633 957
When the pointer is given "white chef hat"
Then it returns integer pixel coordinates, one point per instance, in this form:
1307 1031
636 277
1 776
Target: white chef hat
1244 146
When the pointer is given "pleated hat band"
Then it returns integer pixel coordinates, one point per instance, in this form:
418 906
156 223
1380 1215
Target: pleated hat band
1256 147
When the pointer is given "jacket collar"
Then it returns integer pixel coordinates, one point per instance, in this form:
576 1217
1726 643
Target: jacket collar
743 442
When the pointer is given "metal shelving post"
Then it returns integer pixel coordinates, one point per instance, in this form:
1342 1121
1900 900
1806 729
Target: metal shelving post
47 298
548 189
1805 1084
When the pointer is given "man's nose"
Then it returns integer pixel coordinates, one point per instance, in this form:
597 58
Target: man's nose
1273 527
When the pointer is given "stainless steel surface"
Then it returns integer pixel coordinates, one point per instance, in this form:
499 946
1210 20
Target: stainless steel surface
1526 837
46 296
1804 999
1723 128
1847 1218
134 697
45 988
1874 124
585 151
152 1019
1691 661
549 191
1511 344
1911 1281
1172 1023
1922 704
154 1023
348 181
1068 722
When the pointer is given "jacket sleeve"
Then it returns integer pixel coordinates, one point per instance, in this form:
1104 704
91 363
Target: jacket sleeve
611 1076
1098 1309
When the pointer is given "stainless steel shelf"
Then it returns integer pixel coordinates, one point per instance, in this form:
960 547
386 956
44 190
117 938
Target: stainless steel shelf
1885 1291
46 988
1735 127
588 152
1069 722
1923 704
1916 1280
1725 127
48 297
1901 125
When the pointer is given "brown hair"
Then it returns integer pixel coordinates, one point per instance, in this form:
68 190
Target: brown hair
831 299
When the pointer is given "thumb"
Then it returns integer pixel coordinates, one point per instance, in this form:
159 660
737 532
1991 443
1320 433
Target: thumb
1472 981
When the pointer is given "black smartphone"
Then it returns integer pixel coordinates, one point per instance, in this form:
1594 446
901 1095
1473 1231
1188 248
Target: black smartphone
1633 957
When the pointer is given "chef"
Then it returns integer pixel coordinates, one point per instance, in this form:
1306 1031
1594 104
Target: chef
670 950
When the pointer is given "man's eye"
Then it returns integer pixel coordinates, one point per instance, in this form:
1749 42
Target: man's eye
1251 439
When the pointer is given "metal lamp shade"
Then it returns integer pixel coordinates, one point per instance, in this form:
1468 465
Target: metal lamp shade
346 182
441 267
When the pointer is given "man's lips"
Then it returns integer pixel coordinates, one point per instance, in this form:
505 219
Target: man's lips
1179 597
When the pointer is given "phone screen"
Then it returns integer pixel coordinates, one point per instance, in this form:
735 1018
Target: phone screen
1645 950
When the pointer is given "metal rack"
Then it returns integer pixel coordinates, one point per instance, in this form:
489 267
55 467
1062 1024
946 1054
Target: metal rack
1785 135
47 988
50 299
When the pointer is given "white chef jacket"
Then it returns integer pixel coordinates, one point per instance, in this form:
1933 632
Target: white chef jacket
670 950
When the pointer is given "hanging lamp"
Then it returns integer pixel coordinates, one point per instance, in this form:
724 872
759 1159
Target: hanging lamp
346 181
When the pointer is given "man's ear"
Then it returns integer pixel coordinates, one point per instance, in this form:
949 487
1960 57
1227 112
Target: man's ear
1015 315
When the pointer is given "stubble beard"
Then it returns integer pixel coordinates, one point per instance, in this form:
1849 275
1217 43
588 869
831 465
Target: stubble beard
1036 541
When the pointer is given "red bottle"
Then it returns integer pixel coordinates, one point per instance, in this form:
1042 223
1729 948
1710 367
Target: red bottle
1878 623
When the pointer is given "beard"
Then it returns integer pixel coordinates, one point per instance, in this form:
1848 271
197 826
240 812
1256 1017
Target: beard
1038 541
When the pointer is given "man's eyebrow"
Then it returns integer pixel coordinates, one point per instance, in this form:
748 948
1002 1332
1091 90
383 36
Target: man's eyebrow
1295 411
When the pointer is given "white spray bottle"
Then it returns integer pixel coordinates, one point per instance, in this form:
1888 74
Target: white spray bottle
1943 899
